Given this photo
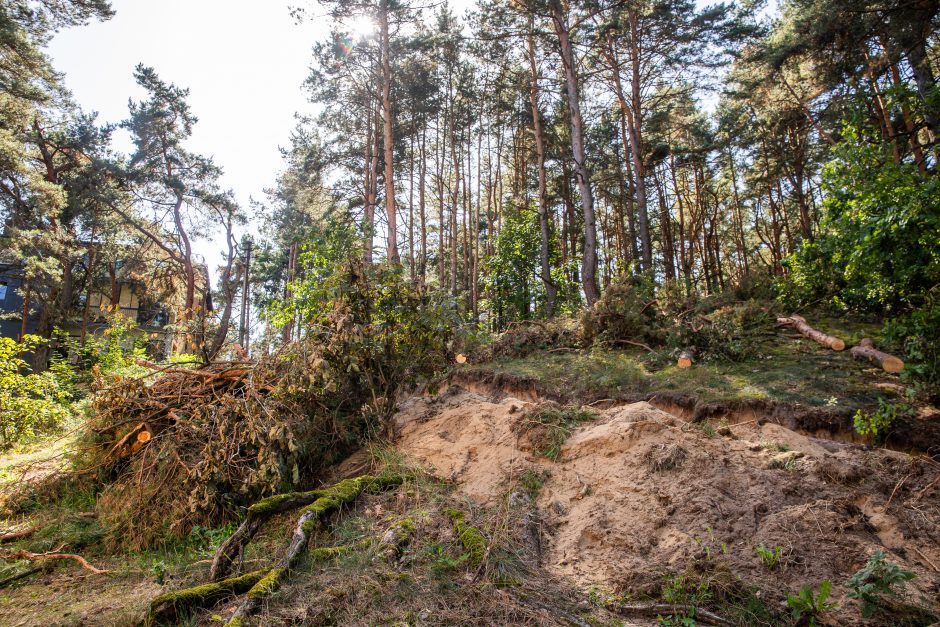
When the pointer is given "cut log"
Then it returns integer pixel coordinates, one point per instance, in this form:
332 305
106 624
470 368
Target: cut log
686 358
799 323
866 351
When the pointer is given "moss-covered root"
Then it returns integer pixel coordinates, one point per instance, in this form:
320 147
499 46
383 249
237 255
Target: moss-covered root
470 537
340 493
166 607
395 539
332 499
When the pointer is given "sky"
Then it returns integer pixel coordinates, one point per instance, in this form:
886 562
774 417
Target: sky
244 66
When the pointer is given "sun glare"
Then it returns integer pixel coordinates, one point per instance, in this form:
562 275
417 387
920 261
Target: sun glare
361 26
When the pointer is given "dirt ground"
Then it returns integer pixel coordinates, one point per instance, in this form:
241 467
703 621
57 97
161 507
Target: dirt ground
638 495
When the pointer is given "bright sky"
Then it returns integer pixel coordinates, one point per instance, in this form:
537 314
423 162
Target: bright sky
243 61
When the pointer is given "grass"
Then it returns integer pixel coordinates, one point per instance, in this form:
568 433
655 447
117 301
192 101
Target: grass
785 369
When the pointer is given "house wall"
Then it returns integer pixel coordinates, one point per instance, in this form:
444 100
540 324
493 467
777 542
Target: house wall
11 306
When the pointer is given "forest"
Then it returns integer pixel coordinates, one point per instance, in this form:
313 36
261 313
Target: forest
558 312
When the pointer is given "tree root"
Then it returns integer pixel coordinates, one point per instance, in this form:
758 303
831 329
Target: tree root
655 609
166 607
470 537
344 491
395 539
44 557
260 584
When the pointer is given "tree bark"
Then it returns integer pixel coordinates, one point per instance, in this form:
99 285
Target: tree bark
589 256
550 289
388 136
866 351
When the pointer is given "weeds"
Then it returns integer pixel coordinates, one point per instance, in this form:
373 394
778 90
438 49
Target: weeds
549 426
808 606
877 581
769 557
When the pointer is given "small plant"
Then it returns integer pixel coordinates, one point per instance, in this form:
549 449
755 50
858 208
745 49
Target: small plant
769 557
877 579
808 606
776 447
550 426
878 423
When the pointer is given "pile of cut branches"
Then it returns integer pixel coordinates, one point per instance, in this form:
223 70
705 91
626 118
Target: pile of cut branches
193 447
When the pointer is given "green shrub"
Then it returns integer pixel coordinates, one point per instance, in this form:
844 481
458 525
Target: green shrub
877 580
30 403
878 423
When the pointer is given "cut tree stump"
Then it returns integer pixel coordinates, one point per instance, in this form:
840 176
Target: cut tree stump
866 351
799 323
686 358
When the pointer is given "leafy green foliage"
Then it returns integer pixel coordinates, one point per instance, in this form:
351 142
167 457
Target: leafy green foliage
808 605
30 403
875 581
877 250
878 423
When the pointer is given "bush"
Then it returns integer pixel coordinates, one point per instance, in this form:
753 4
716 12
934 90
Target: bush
30 403
918 334
626 312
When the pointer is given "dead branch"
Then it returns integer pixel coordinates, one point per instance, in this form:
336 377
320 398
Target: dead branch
44 557
16 535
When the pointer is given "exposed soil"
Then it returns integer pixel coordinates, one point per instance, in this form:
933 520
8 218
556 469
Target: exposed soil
920 432
640 493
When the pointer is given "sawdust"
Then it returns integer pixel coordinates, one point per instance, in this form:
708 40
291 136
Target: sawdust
615 517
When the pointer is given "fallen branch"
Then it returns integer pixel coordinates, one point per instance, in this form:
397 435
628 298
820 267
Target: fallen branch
866 351
16 535
657 609
799 323
46 557
637 344
22 575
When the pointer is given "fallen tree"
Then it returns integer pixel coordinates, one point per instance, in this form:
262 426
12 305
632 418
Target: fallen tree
799 323
866 351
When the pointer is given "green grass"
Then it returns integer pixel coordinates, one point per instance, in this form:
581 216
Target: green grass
784 369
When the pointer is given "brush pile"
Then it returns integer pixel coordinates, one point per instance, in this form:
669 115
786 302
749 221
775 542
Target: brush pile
193 447
528 336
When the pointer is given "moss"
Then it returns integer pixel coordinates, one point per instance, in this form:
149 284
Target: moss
267 585
345 492
272 504
470 537
166 605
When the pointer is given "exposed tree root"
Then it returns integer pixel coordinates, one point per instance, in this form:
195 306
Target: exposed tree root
655 609
260 584
233 547
395 538
470 537
166 607
48 557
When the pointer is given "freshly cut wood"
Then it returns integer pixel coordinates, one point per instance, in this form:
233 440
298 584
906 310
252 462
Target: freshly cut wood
686 358
799 323
866 351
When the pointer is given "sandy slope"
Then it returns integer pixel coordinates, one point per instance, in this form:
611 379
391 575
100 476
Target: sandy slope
612 516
